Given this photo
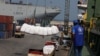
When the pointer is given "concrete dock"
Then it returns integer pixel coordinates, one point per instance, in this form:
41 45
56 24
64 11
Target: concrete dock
20 46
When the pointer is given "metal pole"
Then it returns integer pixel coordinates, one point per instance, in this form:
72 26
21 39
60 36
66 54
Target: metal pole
35 8
44 20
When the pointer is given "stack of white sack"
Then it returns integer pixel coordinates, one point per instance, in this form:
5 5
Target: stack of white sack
48 49
31 29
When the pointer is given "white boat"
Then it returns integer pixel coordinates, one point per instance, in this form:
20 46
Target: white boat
22 11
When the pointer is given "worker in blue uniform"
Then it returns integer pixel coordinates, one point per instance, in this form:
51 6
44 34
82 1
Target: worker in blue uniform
78 38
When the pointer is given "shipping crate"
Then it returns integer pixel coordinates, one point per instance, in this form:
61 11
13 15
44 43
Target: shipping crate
6 19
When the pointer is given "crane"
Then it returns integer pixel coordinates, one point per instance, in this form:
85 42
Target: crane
66 16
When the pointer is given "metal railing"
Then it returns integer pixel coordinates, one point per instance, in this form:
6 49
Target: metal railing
71 52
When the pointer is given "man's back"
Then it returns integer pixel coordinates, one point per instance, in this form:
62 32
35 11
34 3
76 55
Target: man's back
78 35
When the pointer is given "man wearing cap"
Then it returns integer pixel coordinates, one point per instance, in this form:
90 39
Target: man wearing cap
78 37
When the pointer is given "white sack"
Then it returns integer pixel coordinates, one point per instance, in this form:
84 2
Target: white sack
48 49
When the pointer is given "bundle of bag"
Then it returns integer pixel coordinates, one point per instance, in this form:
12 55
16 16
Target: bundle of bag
48 49
31 29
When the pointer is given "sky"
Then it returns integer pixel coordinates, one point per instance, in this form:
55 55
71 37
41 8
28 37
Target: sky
58 3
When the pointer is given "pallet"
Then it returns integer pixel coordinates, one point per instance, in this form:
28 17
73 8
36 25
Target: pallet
19 34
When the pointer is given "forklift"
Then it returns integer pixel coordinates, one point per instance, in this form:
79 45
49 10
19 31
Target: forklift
18 33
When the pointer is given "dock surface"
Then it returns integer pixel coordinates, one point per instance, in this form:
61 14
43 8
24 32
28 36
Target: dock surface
20 46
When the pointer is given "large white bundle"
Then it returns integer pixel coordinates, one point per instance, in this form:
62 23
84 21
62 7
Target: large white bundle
39 30
49 31
23 27
48 49
32 29
28 29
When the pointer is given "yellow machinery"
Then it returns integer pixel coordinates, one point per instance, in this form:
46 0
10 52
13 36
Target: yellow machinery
92 24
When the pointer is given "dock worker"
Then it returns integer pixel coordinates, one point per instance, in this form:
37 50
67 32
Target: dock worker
78 38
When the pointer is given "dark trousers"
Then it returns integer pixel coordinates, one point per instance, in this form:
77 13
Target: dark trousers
78 50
